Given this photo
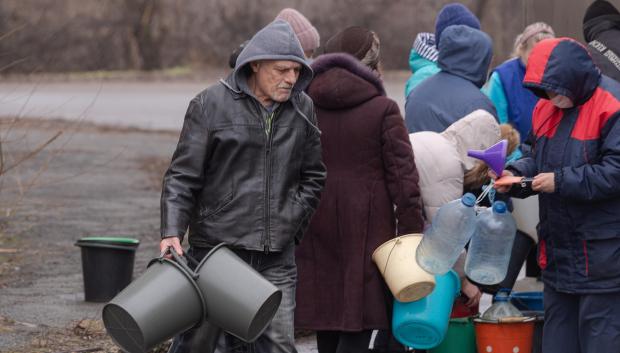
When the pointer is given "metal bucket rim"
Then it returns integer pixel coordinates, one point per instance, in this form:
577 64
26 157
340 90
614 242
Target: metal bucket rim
526 319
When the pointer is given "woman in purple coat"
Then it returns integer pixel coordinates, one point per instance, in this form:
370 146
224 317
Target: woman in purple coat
371 195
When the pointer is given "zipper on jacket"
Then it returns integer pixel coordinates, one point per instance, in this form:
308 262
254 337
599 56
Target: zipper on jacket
269 123
262 119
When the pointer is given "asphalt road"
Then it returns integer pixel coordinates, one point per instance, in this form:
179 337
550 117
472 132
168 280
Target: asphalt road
148 105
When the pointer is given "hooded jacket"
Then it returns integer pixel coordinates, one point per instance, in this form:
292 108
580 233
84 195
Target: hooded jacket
232 178
422 60
603 35
442 159
579 229
371 195
464 58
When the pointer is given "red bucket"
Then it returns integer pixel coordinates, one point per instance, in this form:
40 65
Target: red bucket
504 337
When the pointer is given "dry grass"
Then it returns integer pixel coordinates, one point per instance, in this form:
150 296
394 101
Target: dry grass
83 336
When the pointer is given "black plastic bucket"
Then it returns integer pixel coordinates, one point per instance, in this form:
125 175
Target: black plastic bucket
164 301
107 266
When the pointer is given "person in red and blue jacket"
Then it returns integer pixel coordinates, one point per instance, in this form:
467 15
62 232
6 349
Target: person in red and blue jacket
575 162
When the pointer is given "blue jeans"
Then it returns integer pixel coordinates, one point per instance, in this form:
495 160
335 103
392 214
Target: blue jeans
278 268
581 323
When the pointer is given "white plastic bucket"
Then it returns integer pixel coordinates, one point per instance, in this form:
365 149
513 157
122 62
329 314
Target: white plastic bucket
396 261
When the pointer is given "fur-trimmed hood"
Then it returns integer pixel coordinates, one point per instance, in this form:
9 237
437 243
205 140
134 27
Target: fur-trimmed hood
341 81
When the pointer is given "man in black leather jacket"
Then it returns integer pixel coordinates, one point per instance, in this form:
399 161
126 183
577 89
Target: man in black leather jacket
248 172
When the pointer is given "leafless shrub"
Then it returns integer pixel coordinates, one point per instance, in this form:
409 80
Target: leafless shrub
83 35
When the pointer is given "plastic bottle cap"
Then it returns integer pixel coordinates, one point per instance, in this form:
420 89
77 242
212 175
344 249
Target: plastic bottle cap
499 207
469 199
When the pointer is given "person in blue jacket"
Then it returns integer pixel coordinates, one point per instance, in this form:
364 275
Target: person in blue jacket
464 58
423 55
422 60
513 102
575 162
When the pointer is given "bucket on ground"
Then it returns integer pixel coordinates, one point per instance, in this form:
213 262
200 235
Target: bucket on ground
505 336
461 337
423 324
107 266
397 263
161 303
238 299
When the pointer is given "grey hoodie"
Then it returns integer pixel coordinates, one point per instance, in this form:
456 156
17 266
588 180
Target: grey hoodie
276 41
232 180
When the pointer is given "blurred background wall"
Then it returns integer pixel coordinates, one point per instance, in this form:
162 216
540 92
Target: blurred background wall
83 35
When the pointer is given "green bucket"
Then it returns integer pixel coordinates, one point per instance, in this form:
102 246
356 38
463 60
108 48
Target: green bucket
238 299
161 303
461 337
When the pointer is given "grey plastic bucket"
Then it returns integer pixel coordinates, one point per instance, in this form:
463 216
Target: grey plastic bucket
161 303
238 298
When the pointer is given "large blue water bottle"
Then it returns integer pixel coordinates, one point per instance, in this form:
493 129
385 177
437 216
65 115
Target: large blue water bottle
443 242
491 245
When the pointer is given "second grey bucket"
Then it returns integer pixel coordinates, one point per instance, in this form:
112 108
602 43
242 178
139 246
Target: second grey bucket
161 303
238 299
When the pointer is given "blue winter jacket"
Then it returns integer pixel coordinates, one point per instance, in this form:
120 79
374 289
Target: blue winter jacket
440 100
513 102
579 229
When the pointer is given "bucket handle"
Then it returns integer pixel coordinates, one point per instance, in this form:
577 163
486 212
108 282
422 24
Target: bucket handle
390 255
179 260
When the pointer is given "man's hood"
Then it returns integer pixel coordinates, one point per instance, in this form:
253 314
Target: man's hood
465 52
596 26
563 66
599 17
276 41
478 130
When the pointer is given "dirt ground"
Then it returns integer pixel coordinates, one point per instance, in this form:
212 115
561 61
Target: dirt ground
89 181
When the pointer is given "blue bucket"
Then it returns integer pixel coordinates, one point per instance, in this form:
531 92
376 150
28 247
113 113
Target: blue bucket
423 324
532 301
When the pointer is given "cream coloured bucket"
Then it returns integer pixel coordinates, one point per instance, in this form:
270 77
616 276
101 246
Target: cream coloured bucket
396 261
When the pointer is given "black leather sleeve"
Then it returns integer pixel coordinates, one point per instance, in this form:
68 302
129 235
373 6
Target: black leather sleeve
185 176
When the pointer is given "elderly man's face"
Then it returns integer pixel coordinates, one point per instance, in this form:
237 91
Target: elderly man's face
273 80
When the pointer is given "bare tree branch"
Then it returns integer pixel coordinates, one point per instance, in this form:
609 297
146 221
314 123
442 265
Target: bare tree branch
30 154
